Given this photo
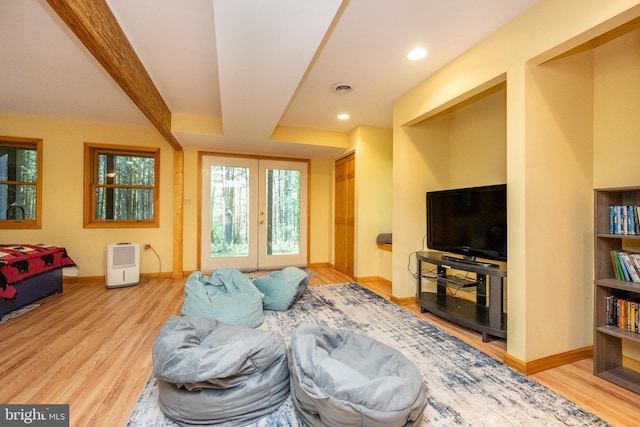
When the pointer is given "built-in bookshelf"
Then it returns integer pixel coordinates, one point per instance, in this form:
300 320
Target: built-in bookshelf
623 219
613 290
626 265
623 313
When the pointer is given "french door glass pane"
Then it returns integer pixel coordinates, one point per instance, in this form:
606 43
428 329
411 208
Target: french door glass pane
229 211
283 211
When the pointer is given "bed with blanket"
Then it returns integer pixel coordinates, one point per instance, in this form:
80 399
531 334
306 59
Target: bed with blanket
29 273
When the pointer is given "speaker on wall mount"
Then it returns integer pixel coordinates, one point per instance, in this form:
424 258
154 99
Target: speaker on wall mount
122 264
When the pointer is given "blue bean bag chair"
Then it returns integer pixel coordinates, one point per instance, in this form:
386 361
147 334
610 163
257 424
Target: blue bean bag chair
342 378
281 289
210 372
228 296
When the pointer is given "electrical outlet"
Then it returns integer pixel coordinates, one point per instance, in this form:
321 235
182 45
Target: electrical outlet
147 246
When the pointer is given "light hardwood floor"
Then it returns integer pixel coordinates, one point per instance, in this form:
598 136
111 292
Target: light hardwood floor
90 347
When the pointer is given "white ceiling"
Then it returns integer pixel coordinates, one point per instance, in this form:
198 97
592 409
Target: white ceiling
254 64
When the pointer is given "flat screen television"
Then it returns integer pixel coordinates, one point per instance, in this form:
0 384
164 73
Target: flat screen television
471 222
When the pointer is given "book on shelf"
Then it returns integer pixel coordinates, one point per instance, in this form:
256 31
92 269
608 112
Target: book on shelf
624 220
626 265
622 313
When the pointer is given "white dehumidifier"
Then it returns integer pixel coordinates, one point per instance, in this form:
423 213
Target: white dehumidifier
122 265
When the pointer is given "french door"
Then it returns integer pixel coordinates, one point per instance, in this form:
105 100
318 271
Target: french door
254 213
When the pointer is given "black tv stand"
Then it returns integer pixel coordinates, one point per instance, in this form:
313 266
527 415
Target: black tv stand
470 261
484 315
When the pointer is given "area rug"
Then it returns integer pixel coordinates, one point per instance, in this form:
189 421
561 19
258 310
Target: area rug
252 274
465 386
18 312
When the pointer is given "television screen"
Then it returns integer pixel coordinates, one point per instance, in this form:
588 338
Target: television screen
469 221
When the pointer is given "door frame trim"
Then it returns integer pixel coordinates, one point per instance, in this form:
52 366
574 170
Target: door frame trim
202 154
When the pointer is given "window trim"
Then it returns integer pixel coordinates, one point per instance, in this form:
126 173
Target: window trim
91 151
14 141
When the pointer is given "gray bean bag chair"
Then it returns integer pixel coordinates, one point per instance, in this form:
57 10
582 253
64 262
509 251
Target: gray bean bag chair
282 288
341 378
228 296
210 372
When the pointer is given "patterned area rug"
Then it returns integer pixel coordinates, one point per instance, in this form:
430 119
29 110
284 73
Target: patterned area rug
18 312
259 273
465 386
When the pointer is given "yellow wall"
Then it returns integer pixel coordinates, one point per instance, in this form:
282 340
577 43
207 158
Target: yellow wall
551 157
616 124
310 136
559 201
62 201
478 140
420 163
374 151
321 209
373 148
617 111
63 197
191 212
462 146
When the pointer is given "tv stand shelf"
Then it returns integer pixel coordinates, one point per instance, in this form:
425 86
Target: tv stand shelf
485 315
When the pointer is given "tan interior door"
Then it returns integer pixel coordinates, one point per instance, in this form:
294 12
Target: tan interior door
345 177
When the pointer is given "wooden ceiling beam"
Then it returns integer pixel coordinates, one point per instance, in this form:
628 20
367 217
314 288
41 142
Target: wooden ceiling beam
94 24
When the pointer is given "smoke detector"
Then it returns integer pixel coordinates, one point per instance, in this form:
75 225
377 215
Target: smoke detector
341 88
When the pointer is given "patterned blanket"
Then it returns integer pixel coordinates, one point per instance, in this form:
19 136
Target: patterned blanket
20 262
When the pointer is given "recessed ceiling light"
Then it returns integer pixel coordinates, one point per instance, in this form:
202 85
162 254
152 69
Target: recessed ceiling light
417 53
343 116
